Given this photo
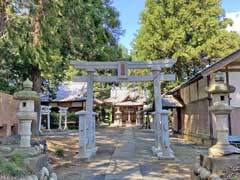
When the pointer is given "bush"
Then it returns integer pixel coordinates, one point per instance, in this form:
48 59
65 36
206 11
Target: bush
59 152
16 159
12 167
72 118
54 120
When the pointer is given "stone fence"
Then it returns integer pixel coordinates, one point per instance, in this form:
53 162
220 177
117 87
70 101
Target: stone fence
8 120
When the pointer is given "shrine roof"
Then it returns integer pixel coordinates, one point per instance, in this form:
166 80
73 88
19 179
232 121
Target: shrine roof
114 100
168 101
128 103
125 94
68 91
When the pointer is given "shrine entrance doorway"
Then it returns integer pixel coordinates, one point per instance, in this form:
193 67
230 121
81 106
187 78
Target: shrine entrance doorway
87 118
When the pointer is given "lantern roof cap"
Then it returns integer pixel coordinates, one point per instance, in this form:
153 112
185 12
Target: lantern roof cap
27 93
219 86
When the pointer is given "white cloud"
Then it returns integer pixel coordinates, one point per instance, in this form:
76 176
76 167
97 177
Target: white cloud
235 16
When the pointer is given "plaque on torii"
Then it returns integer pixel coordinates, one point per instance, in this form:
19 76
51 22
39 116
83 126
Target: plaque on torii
162 145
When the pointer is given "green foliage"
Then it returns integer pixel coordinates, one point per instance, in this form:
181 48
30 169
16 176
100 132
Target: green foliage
168 85
16 159
108 114
39 38
59 152
184 30
54 119
12 167
71 117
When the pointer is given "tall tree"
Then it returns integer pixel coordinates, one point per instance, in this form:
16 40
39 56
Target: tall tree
40 37
186 30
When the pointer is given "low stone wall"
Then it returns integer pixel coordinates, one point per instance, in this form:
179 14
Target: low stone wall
8 120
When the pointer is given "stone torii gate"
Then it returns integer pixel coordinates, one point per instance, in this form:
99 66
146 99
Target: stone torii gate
87 118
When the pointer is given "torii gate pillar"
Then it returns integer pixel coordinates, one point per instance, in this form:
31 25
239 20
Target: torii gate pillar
162 146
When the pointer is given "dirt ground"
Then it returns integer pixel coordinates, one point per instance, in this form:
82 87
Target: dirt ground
108 140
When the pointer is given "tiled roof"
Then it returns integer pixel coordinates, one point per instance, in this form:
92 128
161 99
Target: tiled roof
69 91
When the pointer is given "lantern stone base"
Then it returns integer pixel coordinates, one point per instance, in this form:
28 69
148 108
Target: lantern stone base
156 150
35 164
28 152
223 149
34 158
213 167
164 157
87 154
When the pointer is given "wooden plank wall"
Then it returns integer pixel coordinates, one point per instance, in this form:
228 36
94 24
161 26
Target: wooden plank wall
195 119
8 120
195 116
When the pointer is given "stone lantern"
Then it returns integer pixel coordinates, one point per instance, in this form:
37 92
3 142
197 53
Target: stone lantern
221 110
26 112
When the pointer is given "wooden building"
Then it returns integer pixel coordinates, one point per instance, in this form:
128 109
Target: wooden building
71 95
8 120
128 102
194 120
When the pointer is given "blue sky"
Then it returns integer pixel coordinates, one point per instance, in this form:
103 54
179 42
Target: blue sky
131 9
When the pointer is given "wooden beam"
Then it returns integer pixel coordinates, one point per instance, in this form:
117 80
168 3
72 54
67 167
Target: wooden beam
235 63
209 112
235 56
162 77
230 70
229 102
84 65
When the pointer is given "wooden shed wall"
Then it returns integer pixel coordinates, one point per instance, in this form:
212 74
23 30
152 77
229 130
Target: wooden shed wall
195 113
8 120
195 119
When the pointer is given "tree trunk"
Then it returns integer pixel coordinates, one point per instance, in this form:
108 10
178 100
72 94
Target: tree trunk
36 79
2 15
35 72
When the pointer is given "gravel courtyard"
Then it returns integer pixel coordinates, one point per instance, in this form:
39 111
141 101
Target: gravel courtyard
123 153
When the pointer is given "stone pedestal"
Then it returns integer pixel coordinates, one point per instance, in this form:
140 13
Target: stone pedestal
162 144
157 134
167 152
25 133
118 117
87 147
139 118
213 167
92 134
222 147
